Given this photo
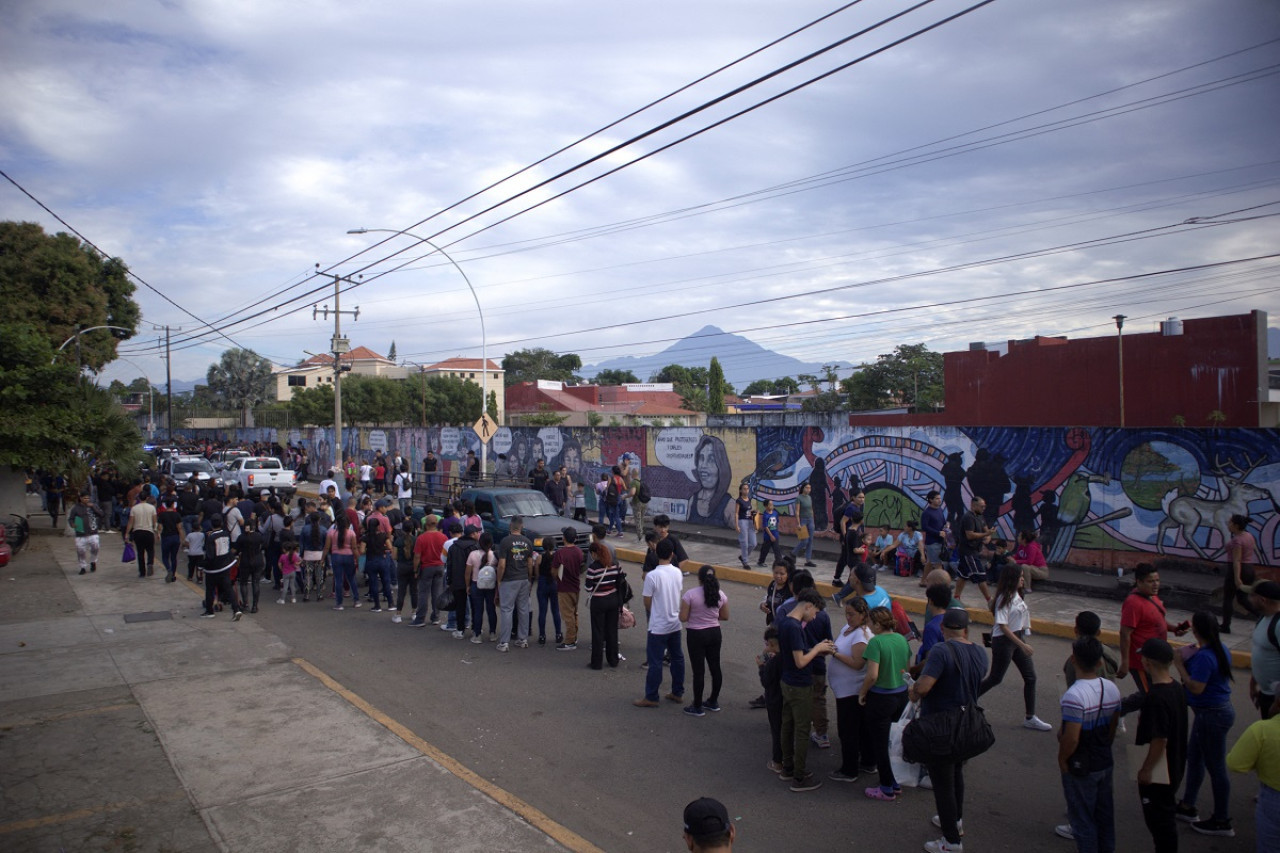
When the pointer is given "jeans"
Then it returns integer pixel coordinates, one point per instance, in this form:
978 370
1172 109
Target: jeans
1267 818
883 710
248 580
615 516
1158 811
144 542
805 544
656 645
189 522
379 570
948 796
604 629
704 648
513 606
1003 650
548 598
169 553
1207 750
1091 810
344 569
482 601
746 540
797 709
430 586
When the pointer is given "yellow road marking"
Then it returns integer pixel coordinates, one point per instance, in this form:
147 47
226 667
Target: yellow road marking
539 819
81 814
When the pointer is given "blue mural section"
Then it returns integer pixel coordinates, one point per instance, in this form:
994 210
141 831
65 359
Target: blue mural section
1140 492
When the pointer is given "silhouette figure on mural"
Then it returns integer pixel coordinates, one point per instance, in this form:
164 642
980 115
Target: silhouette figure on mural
1024 514
953 491
1048 520
820 491
988 480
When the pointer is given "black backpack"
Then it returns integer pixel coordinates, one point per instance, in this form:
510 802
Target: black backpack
642 493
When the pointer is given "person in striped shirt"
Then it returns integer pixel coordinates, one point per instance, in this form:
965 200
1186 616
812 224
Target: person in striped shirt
1090 713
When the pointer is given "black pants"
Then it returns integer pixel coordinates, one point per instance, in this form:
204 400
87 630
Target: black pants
1004 650
767 545
1159 813
219 583
1232 593
144 542
249 580
855 743
848 553
604 630
406 584
704 648
882 711
948 796
461 606
774 710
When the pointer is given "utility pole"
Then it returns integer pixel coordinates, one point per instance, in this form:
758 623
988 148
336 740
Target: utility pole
339 346
1120 318
168 380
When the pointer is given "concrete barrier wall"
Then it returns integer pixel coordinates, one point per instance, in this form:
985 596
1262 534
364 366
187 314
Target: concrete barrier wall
1099 496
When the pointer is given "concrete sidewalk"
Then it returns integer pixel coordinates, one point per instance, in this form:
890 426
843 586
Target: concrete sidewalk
127 723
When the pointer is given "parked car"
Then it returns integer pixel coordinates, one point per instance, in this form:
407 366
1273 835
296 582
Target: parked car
182 469
497 506
256 473
222 459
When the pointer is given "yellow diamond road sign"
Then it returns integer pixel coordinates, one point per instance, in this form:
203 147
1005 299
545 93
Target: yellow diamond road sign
485 427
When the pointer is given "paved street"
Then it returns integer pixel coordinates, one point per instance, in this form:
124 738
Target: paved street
305 729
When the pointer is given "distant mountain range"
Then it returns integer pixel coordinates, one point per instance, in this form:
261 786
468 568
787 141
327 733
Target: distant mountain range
742 360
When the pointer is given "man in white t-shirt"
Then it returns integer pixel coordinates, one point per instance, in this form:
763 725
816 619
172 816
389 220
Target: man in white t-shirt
662 588
366 477
404 490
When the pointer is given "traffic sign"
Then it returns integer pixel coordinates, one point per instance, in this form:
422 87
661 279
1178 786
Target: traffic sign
485 427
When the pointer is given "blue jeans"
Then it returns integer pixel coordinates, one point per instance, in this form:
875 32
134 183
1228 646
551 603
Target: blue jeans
169 553
513 607
746 540
1207 750
1091 810
548 597
379 570
482 602
615 516
807 544
656 646
344 569
1267 818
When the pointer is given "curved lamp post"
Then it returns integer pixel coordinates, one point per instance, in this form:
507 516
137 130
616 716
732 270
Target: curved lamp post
484 348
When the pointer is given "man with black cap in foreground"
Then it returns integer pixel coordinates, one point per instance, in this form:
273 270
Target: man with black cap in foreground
707 826
1162 728
1265 598
952 673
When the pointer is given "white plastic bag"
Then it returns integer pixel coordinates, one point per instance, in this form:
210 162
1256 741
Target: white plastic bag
907 774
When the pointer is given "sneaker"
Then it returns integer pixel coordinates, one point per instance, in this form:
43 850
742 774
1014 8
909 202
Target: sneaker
1036 724
711 706
458 635
475 639
279 601
757 703
356 605
396 619
839 776
566 647
253 609
694 711
1064 830
84 571
1214 827
773 766
875 792
208 615
503 647
810 565
621 657
93 567
559 639
522 644
542 639
942 845
786 775
293 600
414 623
375 609
435 621
235 617
820 741
808 782
442 627
337 607
1187 812
937 821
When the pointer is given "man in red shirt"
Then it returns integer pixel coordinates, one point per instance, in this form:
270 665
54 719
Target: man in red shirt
428 562
1142 617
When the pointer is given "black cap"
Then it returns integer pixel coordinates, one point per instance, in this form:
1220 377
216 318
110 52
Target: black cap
706 817
1267 589
955 618
470 530
866 575
1158 650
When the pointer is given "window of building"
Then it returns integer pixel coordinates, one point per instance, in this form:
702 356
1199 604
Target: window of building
298 381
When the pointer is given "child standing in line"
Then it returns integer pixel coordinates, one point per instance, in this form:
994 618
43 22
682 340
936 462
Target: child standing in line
769 534
290 562
195 555
771 680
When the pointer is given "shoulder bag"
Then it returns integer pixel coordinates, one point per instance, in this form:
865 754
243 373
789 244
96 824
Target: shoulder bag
954 735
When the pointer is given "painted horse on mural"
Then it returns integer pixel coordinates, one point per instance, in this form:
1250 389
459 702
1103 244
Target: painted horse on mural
1191 512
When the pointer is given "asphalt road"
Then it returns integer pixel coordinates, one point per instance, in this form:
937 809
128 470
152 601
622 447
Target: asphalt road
567 740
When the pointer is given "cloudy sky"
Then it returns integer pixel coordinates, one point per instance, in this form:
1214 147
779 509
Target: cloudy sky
942 186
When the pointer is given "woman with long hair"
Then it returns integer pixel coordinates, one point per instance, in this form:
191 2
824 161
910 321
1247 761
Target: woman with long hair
601 582
482 600
342 547
702 609
804 518
1206 675
845 673
883 695
313 562
1012 624
711 503
746 525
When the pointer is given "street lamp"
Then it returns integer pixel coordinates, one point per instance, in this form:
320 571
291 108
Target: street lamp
1120 318
484 347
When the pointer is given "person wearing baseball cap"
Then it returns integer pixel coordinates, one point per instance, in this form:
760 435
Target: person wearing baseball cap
1162 728
707 826
1265 670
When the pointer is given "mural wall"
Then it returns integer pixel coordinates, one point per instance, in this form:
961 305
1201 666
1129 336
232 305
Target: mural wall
1097 496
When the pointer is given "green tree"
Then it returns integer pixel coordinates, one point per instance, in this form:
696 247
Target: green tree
594 418
240 380
694 398
312 406
716 388
492 406
772 387
374 400
822 401
911 375
391 353
530 365
681 376
66 285
543 418
614 377
443 400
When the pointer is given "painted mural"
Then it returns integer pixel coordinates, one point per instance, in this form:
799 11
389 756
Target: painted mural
1136 493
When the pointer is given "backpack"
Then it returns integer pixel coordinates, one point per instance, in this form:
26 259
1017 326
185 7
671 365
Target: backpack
612 492
902 623
642 493
487 577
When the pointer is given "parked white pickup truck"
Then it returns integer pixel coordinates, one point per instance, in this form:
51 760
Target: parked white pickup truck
255 473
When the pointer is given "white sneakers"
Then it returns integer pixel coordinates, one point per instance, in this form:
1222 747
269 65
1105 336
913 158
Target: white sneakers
1036 724
942 845
937 821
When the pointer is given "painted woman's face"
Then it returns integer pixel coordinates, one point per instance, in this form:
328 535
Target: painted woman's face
572 460
706 468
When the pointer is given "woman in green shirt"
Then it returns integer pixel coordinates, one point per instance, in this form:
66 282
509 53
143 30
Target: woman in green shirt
884 693
804 518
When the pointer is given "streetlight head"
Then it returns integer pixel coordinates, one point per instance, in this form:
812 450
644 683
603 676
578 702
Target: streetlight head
358 231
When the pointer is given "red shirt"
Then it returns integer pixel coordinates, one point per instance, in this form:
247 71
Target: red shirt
429 548
1145 615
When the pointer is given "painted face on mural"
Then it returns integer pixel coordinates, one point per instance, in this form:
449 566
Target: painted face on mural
572 459
707 469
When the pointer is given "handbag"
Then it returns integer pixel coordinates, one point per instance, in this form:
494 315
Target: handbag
444 601
129 554
626 619
624 590
954 735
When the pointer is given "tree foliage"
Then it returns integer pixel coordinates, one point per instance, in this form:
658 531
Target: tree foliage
692 384
614 377
240 380
716 388
772 387
911 375
64 285
825 400
313 406
374 400
530 365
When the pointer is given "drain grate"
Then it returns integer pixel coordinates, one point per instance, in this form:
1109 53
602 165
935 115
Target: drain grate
150 616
